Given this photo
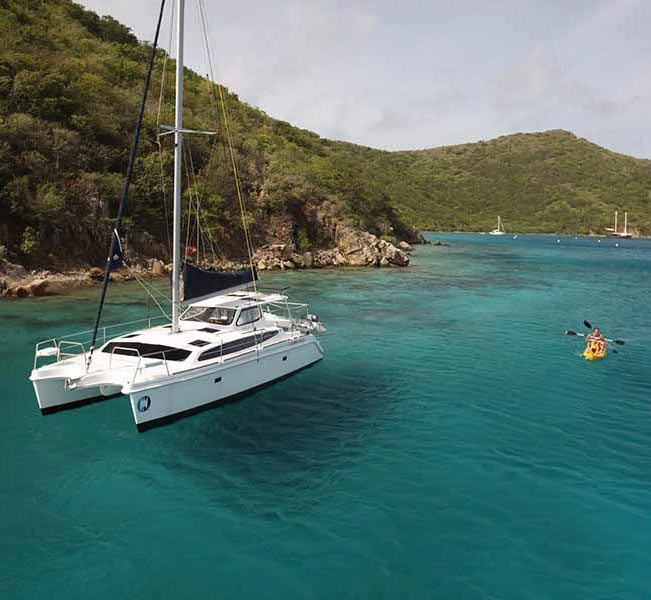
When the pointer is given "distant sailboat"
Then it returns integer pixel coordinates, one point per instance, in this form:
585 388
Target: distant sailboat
500 227
620 234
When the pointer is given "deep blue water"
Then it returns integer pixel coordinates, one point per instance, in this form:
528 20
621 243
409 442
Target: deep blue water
452 444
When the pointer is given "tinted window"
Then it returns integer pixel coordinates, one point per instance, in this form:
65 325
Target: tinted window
217 316
148 350
249 315
237 345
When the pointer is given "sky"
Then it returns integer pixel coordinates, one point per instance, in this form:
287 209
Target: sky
406 74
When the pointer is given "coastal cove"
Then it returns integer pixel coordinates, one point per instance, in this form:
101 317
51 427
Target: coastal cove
71 84
452 443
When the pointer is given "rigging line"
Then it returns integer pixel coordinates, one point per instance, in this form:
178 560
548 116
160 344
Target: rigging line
146 288
190 201
158 141
231 149
162 187
164 70
199 190
197 202
212 246
202 234
192 182
217 139
113 249
151 288
229 138
213 145
204 181
193 201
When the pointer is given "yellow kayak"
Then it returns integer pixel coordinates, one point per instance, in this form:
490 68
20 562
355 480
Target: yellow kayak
595 350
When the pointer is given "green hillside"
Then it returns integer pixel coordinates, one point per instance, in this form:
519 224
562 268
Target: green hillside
70 84
538 182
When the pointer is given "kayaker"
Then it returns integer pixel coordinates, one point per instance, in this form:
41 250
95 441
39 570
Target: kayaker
595 342
595 335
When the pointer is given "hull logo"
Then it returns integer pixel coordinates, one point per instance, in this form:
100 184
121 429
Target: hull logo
143 404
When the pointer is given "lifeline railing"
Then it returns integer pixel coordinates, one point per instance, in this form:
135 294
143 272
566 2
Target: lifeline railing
53 346
140 356
295 311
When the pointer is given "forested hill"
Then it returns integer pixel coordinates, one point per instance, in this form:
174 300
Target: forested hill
70 84
538 182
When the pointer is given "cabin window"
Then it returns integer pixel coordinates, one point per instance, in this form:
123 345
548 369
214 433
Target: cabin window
146 350
199 343
237 345
249 315
215 315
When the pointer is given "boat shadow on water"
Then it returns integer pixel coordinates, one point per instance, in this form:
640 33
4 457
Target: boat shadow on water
302 432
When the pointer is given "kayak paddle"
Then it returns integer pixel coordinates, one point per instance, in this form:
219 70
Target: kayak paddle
618 342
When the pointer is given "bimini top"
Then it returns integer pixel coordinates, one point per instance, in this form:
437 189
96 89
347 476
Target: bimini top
238 299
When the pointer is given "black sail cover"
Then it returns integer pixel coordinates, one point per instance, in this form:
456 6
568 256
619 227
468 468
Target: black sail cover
200 285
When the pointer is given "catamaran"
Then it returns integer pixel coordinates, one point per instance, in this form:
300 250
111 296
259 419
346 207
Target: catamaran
500 227
225 335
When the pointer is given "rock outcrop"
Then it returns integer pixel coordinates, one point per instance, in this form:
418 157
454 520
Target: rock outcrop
157 267
354 248
363 249
36 287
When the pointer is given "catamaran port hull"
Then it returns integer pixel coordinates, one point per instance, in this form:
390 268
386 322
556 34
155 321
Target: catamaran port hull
66 384
52 394
189 393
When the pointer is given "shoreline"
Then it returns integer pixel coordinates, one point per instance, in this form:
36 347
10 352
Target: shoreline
354 249
60 283
591 235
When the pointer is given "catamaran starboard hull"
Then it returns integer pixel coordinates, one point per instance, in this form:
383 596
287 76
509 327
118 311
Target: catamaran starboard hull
153 405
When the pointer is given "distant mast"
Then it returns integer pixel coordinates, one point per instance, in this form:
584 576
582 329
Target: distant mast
615 222
178 157
625 223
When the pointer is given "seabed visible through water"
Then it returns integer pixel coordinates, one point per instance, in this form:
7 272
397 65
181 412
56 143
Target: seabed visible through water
452 444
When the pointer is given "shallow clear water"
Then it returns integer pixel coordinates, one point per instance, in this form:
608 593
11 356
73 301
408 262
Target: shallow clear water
452 444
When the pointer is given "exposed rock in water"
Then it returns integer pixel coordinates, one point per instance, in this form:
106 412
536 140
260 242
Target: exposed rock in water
96 273
36 287
439 243
363 249
353 248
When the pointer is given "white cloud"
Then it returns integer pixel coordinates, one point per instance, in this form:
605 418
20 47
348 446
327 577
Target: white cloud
420 74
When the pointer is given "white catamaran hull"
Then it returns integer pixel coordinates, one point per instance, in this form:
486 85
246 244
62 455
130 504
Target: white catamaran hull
52 393
187 392
66 383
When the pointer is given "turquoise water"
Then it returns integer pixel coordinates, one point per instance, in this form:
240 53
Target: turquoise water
452 444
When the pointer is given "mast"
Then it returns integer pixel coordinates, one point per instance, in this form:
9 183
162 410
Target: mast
615 221
178 157
625 223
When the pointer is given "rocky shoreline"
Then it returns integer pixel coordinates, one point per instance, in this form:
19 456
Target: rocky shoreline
353 248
